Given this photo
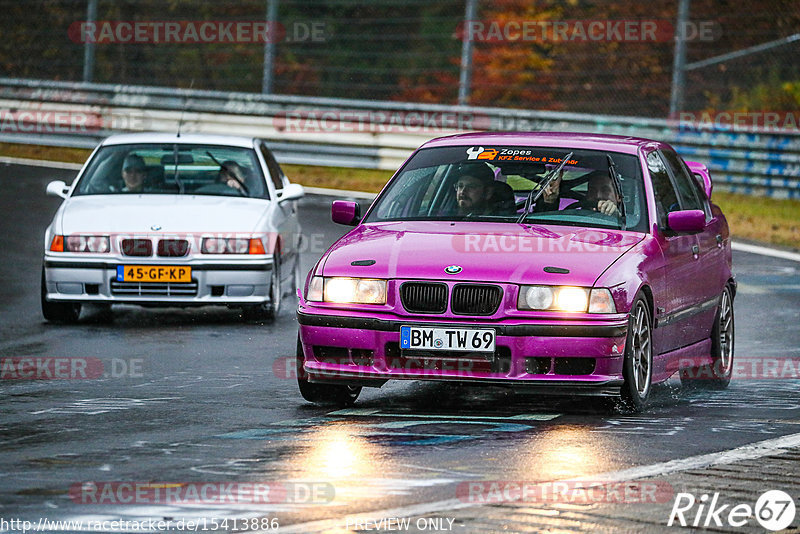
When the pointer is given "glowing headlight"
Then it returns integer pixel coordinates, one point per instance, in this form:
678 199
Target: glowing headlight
347 290
565 298
572 299
86 243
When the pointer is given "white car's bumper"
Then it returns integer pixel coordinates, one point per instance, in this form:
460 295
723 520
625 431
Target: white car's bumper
229 282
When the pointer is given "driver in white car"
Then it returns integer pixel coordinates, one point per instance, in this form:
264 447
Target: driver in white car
233 175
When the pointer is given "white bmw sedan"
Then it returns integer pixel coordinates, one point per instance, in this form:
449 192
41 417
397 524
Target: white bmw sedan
160 220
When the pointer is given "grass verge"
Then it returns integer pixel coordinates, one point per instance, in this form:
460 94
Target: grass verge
762 219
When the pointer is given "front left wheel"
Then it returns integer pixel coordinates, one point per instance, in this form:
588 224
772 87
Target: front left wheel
324 394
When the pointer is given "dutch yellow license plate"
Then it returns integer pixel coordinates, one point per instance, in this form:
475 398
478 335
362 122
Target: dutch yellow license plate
154 273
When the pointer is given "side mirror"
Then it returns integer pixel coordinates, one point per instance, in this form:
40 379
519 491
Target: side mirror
292 192
58 188
345 212
702 175
686 220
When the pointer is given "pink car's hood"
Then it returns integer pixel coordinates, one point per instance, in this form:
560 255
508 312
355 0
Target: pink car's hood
494 252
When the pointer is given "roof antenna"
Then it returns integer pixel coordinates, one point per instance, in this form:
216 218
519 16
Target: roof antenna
183 111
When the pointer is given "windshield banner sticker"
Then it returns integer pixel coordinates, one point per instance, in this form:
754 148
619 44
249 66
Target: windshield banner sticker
511 154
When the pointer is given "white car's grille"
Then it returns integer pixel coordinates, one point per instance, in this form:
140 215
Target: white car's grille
137 247
149 289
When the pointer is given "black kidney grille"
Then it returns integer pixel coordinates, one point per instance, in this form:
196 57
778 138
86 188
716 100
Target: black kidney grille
173 248
424 297
475 299
137 247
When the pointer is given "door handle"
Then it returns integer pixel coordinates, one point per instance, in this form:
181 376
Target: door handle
696 250
719 240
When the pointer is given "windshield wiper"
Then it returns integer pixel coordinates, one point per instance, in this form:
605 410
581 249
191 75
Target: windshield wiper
543 185
175 176
612 170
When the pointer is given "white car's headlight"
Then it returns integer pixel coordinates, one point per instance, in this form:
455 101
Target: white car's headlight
81 243
347 290
231 245
565 298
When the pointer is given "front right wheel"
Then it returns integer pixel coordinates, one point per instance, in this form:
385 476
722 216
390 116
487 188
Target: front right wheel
58 312
325 394
637 369
267 311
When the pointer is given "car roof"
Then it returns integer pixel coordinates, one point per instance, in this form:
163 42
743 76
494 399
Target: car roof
192 139
588 141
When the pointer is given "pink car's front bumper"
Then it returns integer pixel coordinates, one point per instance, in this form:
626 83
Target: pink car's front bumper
558 356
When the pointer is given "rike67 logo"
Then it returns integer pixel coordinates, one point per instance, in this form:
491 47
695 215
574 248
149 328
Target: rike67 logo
774 510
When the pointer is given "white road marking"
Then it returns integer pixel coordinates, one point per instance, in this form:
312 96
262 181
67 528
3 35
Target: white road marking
749 289
372 412
765 251
339 192
41 163
745 452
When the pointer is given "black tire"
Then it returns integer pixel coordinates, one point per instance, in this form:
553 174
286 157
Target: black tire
324 394
58 312
718 374
637 368
269 310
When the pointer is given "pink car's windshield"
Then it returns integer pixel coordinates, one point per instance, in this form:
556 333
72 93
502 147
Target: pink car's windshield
499 184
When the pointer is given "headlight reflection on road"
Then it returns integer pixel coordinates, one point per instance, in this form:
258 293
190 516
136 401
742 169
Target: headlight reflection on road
567 452
340 456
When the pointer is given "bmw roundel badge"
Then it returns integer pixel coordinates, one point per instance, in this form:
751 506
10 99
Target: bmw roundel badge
452 269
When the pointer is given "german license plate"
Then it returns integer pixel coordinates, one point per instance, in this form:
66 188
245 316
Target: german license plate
154 273
453 339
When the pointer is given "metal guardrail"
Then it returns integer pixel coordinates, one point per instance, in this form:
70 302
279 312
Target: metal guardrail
369 134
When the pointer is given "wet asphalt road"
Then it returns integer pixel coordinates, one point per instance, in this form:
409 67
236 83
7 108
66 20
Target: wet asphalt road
195 396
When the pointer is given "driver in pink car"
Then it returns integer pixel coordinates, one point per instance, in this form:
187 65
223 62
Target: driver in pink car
474 188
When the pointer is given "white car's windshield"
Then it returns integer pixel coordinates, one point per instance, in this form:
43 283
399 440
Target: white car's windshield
494 184
174 169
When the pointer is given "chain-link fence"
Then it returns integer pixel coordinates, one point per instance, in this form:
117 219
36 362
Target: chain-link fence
609 57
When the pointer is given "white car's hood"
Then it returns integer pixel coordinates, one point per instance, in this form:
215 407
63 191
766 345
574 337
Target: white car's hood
166 213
